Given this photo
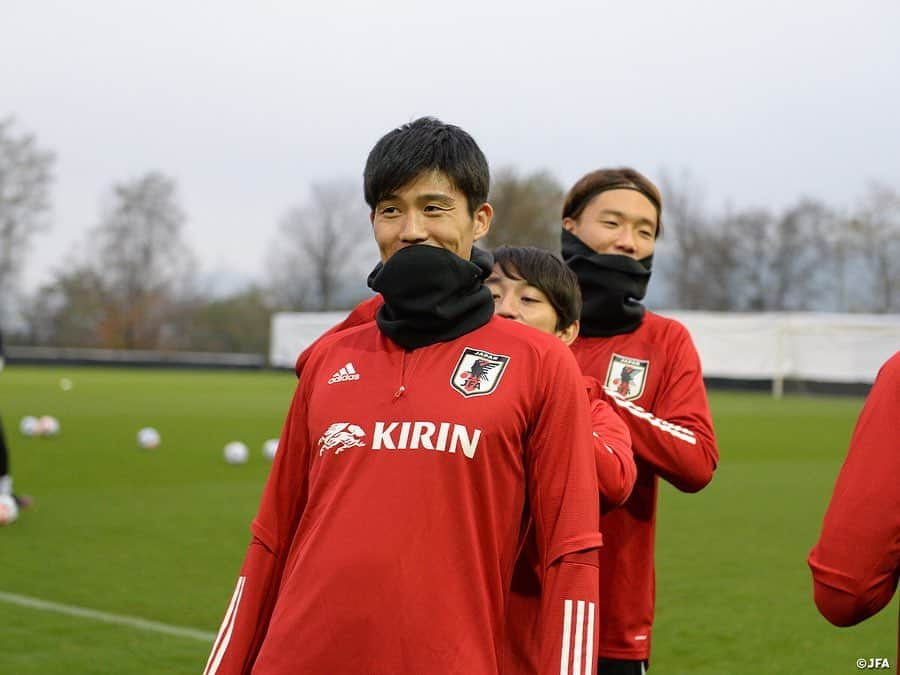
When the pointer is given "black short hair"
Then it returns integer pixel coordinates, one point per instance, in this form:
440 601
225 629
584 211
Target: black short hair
421 146
546 272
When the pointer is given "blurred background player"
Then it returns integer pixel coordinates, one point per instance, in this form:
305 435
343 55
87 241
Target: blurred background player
856 562
6 482
534 287
650 370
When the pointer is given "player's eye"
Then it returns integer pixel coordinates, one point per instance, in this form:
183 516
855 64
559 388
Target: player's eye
389 210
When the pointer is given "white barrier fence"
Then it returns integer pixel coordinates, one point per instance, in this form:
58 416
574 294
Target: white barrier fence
809 347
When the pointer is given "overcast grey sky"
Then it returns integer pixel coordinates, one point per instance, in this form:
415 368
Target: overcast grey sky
247 103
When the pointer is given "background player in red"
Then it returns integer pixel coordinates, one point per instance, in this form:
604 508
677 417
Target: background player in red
534 287
391 520
651 373
856 562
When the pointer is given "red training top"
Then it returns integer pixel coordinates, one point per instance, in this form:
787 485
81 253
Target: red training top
856 562
652 376
395 509
615 477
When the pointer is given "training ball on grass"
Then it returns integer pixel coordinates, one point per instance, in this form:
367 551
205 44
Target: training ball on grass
28 426
9 511
269 448
236 453
65 384
148 438
47 426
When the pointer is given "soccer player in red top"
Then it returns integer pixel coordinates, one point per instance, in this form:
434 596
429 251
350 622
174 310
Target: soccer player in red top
856 562
651 373
392 517
536 288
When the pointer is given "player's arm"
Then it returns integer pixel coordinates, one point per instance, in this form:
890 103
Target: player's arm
284 498
562 484
856 561
364 312
616 470
676 438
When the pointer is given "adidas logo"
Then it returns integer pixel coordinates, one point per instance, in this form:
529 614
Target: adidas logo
346 374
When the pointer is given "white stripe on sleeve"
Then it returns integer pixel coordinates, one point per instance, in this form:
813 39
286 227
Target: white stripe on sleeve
567 629
589 657
579 631
224 636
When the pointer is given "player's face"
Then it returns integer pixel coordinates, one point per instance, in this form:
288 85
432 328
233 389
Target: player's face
431 211
518 300
621 222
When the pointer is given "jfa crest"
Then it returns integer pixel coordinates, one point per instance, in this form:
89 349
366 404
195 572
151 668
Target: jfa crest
627 376
477 372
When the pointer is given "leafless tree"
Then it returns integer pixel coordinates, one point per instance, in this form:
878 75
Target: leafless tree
141 258
25 179
527 210
319 246
875 230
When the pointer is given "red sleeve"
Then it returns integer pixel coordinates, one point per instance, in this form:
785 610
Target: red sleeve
284 498
856 561
364 312
616 470
676 438
561 475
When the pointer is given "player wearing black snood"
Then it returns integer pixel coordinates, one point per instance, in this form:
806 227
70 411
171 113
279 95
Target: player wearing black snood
651 372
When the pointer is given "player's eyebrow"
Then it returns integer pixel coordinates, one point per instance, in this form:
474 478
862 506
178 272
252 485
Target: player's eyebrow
436 197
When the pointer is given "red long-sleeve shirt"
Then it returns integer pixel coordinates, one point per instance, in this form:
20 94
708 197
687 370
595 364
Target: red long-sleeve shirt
856 562
616 473
652 377
389 525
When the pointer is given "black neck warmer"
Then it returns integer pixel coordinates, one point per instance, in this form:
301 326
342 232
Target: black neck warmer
612 287
432 295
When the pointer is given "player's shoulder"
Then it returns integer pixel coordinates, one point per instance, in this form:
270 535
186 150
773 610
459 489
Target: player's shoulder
665 330
359 335
891 368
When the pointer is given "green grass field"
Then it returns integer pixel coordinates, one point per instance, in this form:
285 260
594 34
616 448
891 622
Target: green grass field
160 535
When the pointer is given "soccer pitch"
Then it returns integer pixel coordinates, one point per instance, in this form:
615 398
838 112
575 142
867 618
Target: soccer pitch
138 551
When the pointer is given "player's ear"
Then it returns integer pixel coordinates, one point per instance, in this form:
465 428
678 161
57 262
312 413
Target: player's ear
569 224
570 332
482 218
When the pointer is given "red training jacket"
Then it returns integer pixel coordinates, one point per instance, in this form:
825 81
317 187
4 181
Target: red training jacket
652 377
856 562
394 512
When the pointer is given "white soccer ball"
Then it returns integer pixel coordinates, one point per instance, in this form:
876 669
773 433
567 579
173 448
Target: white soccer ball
269 448
9 510
148 438
47 425
65 384
28 426
236 453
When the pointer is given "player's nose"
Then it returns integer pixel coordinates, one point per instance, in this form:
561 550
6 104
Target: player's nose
506 307
625 241
412 230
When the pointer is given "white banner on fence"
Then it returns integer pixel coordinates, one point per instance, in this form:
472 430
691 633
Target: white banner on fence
817 347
